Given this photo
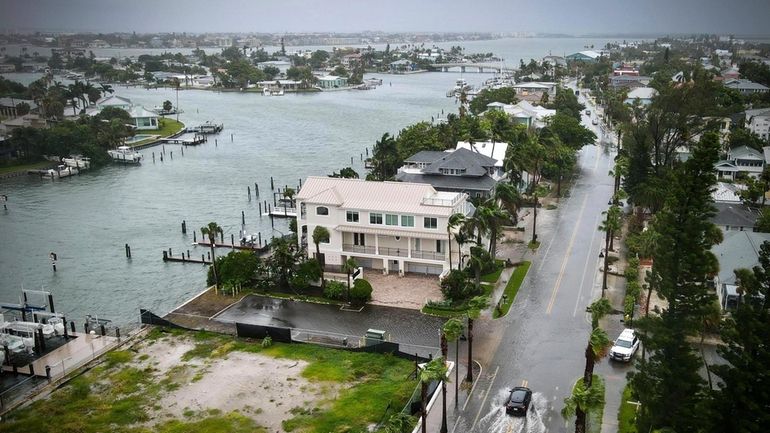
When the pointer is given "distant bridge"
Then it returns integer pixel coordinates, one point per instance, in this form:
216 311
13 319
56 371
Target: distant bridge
480 67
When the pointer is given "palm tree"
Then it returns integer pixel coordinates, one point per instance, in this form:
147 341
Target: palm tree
462 238
212 230
584 395
611 224
476 261
106 88
349 266
510 200
455 220
433 371
320 234
493 217
583 399
451 331
475 305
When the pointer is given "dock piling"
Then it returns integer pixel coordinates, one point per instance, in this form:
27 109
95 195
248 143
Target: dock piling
194 240
153 157
351 160
232 240
208 253
48 372
231 138
362 157
272 185
243 218
259 235
188 254
300 182
172 154
184 227
248 190
72 325
215 143
260 209
221 237
128 251
256 190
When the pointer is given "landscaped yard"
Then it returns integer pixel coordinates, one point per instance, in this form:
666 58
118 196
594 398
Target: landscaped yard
183 381
168 127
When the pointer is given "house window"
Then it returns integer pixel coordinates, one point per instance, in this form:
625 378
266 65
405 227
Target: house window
352 216
302 211
417 244
322 210
359 239
439 246
391 220
407 221
375 218
430 223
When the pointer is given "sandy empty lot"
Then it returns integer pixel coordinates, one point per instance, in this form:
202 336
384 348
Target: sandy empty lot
259 386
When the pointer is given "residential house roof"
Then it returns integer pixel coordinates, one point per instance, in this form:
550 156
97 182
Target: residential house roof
426 156
139 111
727 192
739 249
491 149
13 102
734 215
396 197
462 183
757 112
473 163
113 100
743 84
744 152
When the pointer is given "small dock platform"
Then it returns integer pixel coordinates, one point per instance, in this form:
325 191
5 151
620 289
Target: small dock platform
207 128
182 259
281 212
194 141
244 247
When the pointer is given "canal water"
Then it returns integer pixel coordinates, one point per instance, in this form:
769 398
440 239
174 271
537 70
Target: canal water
87 219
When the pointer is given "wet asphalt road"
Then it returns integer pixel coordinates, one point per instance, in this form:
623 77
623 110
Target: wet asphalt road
540 343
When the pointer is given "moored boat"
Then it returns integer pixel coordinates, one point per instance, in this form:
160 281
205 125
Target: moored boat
125 155
77 161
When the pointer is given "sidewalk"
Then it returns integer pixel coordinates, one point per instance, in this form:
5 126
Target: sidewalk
434 413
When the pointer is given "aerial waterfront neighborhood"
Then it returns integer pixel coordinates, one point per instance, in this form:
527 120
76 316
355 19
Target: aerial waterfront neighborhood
480 226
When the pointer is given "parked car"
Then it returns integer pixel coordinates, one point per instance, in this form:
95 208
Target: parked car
588 112
519 400
595 121
625 346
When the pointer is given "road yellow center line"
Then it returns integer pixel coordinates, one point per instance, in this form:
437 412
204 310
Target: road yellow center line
566 256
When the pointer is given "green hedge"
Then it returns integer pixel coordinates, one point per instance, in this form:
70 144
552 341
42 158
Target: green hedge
511 289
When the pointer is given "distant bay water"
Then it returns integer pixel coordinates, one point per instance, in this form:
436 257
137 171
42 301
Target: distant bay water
87 219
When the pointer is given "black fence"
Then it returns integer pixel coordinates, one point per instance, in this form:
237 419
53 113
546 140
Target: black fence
147 317
245 330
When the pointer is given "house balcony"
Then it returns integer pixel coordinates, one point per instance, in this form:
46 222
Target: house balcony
394 252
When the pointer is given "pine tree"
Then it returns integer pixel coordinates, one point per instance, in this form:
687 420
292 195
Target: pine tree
668 384
741 404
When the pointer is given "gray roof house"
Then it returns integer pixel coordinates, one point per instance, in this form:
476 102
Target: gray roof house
737 250
746 87
734 217
461 170
741 160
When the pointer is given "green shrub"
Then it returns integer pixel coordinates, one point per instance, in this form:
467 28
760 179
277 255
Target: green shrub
633 289
267 341
361 291
334 290
457 287
628 306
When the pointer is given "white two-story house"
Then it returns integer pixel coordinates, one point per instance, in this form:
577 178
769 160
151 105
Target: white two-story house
388 226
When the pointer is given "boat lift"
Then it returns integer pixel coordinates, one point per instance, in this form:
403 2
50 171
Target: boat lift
27 307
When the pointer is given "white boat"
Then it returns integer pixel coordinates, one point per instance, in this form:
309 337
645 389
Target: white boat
460 86
14 342
77 161
268 92
125 155
59 172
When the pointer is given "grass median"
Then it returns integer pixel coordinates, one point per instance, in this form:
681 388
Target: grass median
511 289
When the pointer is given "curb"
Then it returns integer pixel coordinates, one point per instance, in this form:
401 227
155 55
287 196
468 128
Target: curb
475 382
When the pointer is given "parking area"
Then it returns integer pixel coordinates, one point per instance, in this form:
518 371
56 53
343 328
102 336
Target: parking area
410 291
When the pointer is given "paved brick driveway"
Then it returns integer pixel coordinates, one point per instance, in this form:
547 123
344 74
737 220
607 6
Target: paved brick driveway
410 291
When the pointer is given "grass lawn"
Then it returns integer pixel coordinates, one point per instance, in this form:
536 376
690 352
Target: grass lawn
24 167
493 276
511 289
533 245
168 126
627 412
123 392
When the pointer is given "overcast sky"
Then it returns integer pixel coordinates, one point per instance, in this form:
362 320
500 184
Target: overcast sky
743 17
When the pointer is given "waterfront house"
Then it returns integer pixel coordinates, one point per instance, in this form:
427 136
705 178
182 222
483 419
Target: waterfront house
642 94
403 65
460 170
142 118
758 122
741 161
332 82
350 60
588 56
745 87
282 65
385 226
524 113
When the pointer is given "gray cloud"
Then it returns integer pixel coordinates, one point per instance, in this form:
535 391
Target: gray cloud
554 16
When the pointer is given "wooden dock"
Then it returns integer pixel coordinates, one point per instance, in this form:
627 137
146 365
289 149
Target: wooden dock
245 247
169 258
198 139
